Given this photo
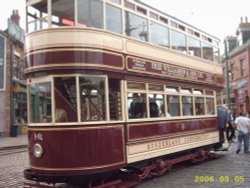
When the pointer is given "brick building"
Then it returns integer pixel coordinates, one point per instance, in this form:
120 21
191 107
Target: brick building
13 108
239 66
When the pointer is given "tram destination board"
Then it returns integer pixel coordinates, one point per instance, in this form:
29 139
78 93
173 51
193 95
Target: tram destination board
167 70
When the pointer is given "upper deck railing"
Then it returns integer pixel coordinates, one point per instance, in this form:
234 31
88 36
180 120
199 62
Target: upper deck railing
125 17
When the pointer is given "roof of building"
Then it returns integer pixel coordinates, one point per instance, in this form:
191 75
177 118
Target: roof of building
238 49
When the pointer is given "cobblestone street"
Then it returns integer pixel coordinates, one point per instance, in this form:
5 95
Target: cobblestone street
11 169
230 171
225 172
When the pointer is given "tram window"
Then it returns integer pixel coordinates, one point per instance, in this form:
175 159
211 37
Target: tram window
40 103
209 92
116 1
207 51
93 98
199 106
210 106
185 91
178 41
173 104
156 105
216 55
187 105
198 92
194 47
115 108
153 87
113 19
137 105
65 99
90 13
159 34
64 11
172 90
37 16
136 26
134 85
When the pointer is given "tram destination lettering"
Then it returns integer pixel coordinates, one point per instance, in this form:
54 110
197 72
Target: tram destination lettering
167 70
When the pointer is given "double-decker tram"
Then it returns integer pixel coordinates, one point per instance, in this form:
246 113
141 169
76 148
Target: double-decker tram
116 84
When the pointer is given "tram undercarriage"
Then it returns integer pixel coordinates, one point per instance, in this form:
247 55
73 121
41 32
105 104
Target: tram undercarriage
126 177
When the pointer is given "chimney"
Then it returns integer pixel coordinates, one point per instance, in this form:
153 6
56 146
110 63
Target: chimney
15 17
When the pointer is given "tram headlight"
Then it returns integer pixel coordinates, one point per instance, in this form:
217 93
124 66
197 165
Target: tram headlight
37 150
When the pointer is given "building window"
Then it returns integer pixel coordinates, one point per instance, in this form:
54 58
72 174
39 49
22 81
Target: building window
243 70
113 19
2 62
233 72
16 68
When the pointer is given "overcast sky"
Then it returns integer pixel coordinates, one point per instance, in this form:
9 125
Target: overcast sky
219 18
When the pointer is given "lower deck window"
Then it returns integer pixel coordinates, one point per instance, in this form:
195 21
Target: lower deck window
40 102
137 105
92 99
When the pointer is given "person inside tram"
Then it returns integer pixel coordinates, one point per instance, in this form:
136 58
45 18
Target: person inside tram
137 106
154 109
61 115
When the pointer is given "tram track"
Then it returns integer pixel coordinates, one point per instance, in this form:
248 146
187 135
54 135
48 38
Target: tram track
8 151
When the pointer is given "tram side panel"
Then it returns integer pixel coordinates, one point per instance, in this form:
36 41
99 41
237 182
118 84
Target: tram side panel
77 150
150 140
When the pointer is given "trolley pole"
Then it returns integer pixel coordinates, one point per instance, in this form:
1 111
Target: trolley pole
227 77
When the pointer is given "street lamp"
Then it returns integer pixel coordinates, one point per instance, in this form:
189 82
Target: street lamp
227 77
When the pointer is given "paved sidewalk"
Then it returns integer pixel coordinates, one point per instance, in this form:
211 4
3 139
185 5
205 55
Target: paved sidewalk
13 142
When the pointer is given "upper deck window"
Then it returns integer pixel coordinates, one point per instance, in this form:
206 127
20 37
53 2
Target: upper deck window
153 16
90 13
207 50
129 5
63 13
116 1
136 26
113 19
141 10
37 16
194 47
159 34
178 41
164 20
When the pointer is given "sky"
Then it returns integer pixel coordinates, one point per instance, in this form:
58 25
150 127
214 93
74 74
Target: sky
219 18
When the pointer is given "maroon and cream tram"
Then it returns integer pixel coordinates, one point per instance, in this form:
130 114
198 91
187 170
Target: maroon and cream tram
114 84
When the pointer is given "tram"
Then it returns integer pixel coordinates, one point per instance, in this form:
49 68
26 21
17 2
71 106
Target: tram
116 85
